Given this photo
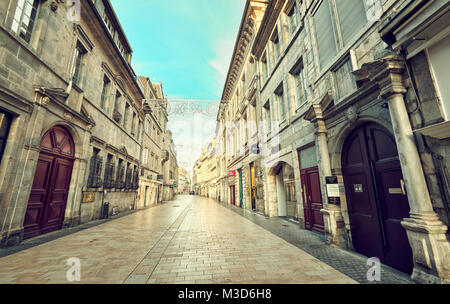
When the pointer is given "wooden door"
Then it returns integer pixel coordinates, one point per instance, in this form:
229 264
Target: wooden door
312 199
232 195
377 202
253 186
47 202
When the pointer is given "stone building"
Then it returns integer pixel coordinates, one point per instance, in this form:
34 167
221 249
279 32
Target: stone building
206 172
71 117
351 125
238 182
155 124
184 180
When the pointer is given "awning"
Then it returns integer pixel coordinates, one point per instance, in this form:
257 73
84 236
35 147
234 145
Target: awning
439 130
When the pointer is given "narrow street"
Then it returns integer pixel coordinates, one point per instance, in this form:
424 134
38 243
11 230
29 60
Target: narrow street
189 240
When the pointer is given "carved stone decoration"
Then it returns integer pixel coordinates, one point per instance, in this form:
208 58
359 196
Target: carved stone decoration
54 6
68 116
352 114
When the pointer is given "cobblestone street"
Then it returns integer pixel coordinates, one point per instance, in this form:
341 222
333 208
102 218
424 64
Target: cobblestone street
189 240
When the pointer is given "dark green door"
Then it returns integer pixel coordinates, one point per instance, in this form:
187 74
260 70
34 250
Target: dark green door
241 192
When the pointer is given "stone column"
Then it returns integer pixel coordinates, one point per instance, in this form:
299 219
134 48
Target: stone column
426 233
335 233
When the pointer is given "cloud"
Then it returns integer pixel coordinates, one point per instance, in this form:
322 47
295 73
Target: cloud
223 48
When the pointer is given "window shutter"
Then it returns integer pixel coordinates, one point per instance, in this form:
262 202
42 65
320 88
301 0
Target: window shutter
326 41
352 17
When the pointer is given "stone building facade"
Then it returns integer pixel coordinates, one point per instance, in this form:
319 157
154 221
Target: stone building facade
155 124
352 125
184 180
206 172
71 110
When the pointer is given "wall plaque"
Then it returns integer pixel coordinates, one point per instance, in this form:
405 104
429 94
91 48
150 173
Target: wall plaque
88 197
333 190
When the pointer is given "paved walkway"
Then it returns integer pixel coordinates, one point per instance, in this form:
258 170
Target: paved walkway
350 263
189 240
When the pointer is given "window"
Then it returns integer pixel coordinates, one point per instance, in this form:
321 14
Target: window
350 20
139 130
105 91
129 177
108 24
24 18
145 157
299 83
289 182
345 81
95 173
120 175
265 70
267 117
293 18
276 46
77 63
125 116
333 16
308 158
279 97
326 42
116 114
5 122
135 179
133 124
109 172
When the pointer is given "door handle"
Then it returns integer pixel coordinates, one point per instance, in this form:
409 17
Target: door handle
402 185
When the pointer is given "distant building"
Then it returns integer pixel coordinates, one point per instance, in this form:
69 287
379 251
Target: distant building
184 180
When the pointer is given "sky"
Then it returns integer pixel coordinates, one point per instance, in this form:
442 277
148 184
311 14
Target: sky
187 45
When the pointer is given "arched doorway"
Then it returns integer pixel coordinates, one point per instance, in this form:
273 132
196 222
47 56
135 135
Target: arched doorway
47 203
285 194
376 199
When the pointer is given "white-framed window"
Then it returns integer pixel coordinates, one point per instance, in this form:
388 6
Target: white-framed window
344 79
279 98
267 116
293 18
265 69
24 18
275 46
77 63
145 157
336 23
299 82
105 92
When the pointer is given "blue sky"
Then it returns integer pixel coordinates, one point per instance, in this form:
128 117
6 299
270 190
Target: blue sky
188 45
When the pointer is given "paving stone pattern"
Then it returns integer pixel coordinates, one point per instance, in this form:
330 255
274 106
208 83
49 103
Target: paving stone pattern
189 240
349 263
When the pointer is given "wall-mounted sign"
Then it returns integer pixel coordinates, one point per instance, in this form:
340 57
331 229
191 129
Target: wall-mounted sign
231 173
358 188
333 191
88 197
395 191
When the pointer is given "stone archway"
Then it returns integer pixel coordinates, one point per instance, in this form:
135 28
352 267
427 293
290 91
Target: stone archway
376 200
281 191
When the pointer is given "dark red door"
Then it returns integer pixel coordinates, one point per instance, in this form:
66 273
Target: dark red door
376 199
48 197
232 195
312 199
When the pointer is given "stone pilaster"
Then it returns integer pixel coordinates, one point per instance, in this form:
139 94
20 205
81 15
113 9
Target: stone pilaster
335 233
426 233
